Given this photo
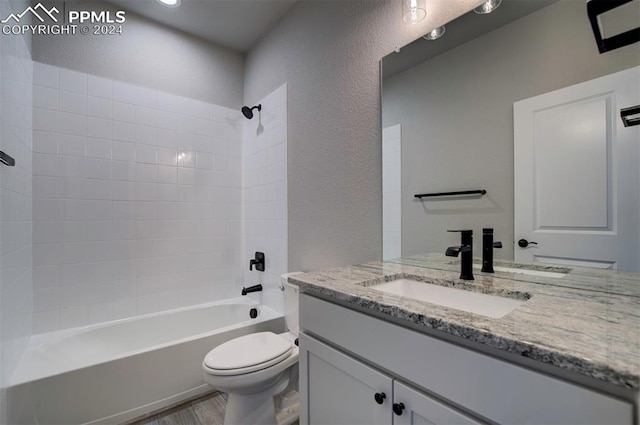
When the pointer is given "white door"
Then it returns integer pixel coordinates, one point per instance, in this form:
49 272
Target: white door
576 176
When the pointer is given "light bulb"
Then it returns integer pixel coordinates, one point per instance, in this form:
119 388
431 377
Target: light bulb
169 3
487 7
413 11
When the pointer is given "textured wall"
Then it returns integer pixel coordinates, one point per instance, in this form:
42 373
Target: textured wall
150 55
457 124
328 53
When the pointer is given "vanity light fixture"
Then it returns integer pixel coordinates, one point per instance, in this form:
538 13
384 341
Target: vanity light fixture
487 7
435 33
169 3
414 11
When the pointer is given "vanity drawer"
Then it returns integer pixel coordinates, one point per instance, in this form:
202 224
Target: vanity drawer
486 386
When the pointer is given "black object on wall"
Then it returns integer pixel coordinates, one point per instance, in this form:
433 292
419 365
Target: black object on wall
7 159
630 116
598 7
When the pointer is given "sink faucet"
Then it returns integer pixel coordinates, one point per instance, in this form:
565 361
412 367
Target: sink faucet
487 249
466 248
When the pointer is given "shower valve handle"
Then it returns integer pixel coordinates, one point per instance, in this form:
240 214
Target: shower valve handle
258 261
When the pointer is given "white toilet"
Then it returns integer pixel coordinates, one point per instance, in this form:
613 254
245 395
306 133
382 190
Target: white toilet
259 372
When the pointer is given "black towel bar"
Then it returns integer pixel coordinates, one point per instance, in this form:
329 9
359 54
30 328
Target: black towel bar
463 192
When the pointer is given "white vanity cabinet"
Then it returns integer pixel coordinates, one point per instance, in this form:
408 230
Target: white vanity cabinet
346 391
347 357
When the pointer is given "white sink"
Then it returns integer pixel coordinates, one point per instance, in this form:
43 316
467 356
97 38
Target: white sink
472 302
540 273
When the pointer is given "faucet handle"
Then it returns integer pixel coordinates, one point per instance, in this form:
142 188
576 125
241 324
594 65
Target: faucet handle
497 244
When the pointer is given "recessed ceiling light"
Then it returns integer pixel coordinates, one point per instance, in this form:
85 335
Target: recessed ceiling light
169 3
487 7
434 34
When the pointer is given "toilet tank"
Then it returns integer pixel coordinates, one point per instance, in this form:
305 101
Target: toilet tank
290 304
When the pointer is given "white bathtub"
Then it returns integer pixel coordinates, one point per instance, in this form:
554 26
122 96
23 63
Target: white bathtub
113 372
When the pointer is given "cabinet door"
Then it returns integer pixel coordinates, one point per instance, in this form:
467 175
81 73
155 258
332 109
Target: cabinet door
420 409
336 389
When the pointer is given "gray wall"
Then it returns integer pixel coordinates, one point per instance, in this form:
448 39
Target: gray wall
457 119
148 54
328 52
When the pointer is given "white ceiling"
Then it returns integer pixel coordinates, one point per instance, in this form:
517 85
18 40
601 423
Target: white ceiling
237 24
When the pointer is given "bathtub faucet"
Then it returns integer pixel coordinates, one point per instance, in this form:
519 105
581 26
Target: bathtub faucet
255 288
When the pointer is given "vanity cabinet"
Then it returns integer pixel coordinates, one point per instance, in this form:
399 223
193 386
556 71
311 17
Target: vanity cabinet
347 357
344 390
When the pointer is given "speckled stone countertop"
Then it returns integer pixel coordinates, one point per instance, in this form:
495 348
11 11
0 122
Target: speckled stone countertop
587 322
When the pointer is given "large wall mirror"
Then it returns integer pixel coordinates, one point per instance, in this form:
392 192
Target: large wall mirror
521 104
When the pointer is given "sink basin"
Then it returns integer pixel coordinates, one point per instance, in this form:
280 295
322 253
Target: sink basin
529 272
472 302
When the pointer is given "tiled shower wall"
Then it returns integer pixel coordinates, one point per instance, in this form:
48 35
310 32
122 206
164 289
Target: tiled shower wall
265 194
16 285
136 200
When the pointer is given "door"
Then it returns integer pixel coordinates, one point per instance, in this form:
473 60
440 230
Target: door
419 409
336 389
576 176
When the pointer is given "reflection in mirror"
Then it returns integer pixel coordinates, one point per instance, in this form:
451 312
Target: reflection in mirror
448 125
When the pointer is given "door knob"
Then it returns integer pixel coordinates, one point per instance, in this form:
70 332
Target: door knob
398 408
380 397
523 243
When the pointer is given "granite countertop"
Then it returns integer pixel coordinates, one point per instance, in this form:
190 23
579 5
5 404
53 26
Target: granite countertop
587 322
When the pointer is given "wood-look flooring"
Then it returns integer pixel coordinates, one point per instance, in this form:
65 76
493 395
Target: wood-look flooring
205 410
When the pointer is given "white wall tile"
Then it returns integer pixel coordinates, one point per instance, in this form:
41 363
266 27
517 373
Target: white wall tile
45 97
72 102
98 148
145 214
125 112
124 92
45 142
72 81
99 128
72 124
71 145
146 154
45 119
99 107
100 87
45 75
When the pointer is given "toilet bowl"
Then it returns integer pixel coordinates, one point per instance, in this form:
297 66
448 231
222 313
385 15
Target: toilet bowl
259 372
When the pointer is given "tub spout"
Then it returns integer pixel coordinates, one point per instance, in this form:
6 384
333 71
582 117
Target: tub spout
255 288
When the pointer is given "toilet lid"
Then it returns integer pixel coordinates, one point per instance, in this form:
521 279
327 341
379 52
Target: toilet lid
249 350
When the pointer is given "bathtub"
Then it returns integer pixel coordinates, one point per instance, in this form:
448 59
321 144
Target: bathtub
113 372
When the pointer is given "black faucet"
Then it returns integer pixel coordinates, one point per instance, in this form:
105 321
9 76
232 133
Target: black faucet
487 249
258 261
250 289
466 248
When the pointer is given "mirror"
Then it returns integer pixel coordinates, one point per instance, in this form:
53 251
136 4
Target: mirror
448 126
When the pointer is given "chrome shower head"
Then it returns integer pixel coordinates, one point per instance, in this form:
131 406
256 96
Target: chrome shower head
248 112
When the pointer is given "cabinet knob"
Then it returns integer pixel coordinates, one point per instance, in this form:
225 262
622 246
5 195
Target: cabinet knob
380 397
398 408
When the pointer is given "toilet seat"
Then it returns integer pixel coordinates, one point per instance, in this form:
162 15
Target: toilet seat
247 354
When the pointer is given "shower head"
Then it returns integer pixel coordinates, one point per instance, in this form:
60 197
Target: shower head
248 112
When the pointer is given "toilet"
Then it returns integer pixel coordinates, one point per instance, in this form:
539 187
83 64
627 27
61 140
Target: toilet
259 372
